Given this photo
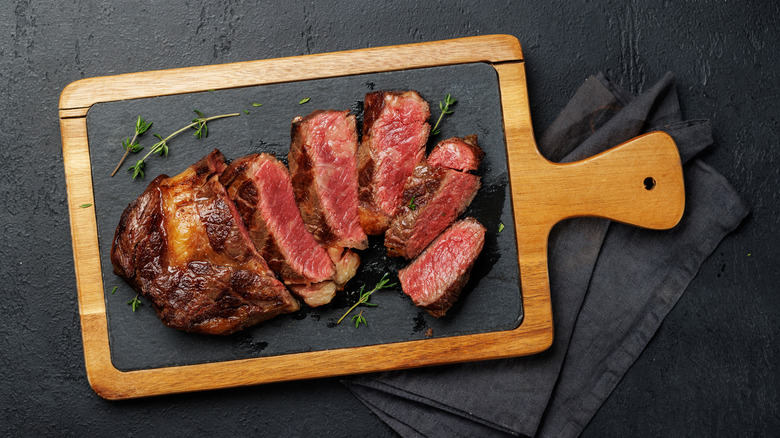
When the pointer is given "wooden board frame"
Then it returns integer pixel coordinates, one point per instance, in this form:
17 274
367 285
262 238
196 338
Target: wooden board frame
610 185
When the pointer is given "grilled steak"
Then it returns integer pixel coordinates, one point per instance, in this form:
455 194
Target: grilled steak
433 198
395 130
434 280
183 246
462 154
260 187
323 164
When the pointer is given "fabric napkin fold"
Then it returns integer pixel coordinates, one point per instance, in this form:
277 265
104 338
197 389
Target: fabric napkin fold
611 286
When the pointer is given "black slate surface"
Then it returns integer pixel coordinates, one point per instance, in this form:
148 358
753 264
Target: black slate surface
712 368
490 302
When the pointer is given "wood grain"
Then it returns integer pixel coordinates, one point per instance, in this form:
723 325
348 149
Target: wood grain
608 185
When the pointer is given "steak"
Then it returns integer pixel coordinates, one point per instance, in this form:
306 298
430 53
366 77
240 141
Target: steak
395 130
435 279
182 245
323 165
260 187
457 153
433 198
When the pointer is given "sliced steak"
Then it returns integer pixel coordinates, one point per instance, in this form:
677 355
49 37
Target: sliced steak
457 153
435 279
182 245
433 198
260 187
323 165
395 130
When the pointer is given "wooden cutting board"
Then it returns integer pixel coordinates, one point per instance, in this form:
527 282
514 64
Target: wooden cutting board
639 182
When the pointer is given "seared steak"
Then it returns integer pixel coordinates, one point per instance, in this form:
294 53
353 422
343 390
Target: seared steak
462 154
260 187
433 198
182 245
323 165
434 280
395 130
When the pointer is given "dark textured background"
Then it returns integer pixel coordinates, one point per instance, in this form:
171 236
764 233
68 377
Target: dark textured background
712 369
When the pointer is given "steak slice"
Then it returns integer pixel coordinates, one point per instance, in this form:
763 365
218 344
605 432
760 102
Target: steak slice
457 153
323 165
434 280
395 130
182 245
260 187
433 199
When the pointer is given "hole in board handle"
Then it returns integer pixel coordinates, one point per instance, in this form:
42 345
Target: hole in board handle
649 183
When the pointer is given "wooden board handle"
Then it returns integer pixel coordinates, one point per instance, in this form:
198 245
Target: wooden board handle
639 182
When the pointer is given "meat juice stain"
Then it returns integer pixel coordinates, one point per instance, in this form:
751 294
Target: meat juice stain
420 323
244 341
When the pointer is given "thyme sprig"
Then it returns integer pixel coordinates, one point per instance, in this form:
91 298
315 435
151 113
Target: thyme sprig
131 145
135 302
445 109
161 147
364 297
357 319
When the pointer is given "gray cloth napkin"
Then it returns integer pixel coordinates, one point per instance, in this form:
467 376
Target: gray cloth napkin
611 286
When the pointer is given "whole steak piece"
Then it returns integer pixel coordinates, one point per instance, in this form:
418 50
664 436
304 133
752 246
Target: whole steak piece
182 245
260 187
433 199
435 279
395 130
323 166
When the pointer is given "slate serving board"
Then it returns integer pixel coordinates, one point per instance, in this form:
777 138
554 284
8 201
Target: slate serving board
490 302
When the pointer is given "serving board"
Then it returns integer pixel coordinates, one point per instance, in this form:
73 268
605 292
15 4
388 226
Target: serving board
506 309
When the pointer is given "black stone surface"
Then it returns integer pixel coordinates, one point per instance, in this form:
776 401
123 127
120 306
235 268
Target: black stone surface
490 301
712 368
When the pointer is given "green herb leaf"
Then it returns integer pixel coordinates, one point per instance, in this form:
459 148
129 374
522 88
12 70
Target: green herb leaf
85 205
246 111
445 109
257 104
135 302
364 297
412 205
500 227
131 145
114 290
304 100
359 318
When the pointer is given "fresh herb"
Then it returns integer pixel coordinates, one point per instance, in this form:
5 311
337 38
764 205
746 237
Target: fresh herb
412 205
85 205
135 302
246 111
161 147
445 109
257 104
131 145
357 319
364 297
304 100
500 227
114 290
